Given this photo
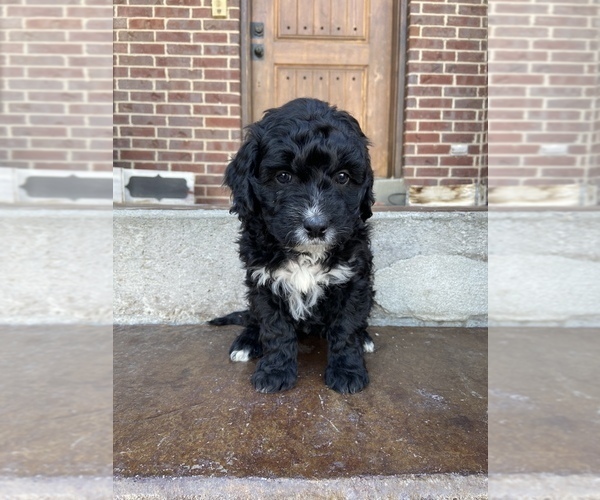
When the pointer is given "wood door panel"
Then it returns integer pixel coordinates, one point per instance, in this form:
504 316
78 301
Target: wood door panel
342 87
334 50
322 18
349 53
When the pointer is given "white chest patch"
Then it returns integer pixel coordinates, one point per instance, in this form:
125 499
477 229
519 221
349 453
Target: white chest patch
301 282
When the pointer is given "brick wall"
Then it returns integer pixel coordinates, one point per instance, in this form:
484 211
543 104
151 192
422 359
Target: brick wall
55 85
544 92
177 89
446 92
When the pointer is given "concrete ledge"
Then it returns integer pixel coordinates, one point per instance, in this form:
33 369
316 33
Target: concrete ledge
62 487
544 486
56 266
182 267
544 268
391 487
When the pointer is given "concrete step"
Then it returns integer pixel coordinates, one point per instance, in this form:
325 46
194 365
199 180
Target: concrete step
182 267
186 419
55 412
544 413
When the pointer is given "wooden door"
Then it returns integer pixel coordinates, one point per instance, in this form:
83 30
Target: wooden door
339 51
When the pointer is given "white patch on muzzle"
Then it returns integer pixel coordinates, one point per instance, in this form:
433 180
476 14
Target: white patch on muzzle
306 244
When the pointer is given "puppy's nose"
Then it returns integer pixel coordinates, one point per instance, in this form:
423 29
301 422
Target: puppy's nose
315 227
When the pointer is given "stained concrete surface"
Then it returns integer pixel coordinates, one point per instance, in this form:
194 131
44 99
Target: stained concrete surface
544 413
183 410
55 411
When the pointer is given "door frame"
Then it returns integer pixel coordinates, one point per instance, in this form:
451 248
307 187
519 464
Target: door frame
397 85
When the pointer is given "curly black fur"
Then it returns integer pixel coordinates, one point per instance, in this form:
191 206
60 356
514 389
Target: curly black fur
302 188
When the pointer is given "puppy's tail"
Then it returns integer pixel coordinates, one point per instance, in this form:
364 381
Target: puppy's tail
235 318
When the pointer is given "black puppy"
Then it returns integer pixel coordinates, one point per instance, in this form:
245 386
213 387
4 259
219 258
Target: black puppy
302 188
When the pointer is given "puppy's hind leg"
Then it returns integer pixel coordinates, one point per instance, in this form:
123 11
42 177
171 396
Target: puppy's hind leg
367 342
247 345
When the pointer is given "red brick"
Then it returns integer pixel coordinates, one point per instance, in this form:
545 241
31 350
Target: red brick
145 24
172 12
207 37
580 22
421 160
218 74
576 10
173 61
138 155
433 149
469 33
427 20
209 180
439 8
184 49
220 25
420 137
222 122
463 45
545 161
521 8
450 161
424 91
514 172
221 50
23 11
187 145
432 172
419 181
211 157
473 10
457 68
473 22
456 91
147 73
173 36
126 11
437 55
438 32
146 144
427 43
174 156
209 62
464 172
432 126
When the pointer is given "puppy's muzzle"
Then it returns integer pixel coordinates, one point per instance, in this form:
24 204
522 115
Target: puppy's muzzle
315 227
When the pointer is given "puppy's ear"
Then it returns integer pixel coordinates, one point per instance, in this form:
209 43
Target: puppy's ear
368 197
238 177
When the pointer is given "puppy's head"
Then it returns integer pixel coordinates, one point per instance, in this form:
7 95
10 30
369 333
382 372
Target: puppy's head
304 171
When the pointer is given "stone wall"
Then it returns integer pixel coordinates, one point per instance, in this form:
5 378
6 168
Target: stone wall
182 267
544 268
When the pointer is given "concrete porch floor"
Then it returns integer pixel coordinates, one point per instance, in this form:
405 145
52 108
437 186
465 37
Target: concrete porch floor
186 419
55 412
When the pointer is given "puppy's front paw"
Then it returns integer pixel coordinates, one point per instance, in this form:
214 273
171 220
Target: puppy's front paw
245 347
268 380
346 380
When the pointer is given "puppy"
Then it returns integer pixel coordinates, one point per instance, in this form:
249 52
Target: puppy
302 188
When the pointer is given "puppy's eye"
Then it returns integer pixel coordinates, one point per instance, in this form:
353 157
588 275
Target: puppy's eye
283 177
342 178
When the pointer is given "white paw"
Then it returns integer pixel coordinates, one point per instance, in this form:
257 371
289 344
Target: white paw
368 346
243 355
